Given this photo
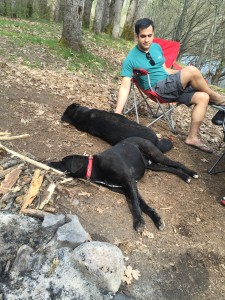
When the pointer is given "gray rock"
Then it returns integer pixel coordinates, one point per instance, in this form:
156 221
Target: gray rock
92 271
103 261
24 261
53 222
56 276
72 233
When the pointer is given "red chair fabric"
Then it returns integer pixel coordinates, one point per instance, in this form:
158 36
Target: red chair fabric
170 51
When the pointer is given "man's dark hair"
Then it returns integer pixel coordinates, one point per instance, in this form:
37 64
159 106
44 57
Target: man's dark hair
142 24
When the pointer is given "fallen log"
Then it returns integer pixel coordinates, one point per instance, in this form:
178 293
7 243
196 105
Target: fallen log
40 214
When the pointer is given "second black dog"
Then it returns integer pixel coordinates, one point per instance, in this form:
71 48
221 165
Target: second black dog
120 167
110 127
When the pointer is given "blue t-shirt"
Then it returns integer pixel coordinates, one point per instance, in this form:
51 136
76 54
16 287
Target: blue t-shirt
137 59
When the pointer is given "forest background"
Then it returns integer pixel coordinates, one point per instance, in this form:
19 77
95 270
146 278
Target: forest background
198 25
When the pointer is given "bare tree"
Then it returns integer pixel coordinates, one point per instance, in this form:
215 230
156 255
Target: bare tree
13 8
59 10
97 26
181 21
105 17
72 24
117 18
29 9
141 9
43 8
87 13
128 29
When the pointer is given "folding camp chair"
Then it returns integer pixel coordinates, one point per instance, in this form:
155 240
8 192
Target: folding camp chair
218 119
156 106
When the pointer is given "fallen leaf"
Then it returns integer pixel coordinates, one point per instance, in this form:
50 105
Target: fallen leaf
129 274
99 210
204 160
84 194
148 234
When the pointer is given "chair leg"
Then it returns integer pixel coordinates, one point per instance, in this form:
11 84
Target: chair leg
212 169
167 115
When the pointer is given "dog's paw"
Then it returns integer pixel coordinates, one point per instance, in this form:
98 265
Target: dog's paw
195 175
161 225
139 225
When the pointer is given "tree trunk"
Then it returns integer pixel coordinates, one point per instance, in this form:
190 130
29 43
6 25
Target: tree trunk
111 11
59 10
97 27
87 12
105 18
13 8
140 10
117 18
72 25
5 10
128 29
29 9
43 9
131 13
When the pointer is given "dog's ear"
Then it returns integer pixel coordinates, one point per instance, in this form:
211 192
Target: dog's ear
74 163
68 114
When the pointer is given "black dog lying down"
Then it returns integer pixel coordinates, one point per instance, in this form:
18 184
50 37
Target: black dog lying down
120 166
110 127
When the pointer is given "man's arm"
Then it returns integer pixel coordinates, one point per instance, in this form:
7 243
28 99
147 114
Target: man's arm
170 71
123 94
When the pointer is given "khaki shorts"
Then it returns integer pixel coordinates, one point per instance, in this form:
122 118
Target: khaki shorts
171 90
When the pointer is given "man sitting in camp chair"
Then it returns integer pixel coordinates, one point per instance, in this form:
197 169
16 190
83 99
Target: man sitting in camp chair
186 86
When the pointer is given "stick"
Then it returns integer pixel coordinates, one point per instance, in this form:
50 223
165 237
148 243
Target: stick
8 138
45 167
5 133
50 191
31 161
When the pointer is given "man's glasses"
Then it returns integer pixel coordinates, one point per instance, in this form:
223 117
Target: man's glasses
151 60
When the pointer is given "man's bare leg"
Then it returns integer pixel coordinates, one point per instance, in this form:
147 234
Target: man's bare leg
191 75
200 100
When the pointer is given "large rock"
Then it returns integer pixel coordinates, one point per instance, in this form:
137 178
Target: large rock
103 261
93 270
54 276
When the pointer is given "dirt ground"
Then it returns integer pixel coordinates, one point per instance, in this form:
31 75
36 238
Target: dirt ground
187 259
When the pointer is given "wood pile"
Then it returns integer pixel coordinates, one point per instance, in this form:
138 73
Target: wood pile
25 182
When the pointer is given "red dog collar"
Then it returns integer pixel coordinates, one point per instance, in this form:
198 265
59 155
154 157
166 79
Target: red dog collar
89 167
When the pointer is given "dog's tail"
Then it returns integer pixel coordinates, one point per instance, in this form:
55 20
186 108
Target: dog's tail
165 145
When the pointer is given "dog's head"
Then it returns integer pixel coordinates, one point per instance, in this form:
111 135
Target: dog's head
72 164
74 113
